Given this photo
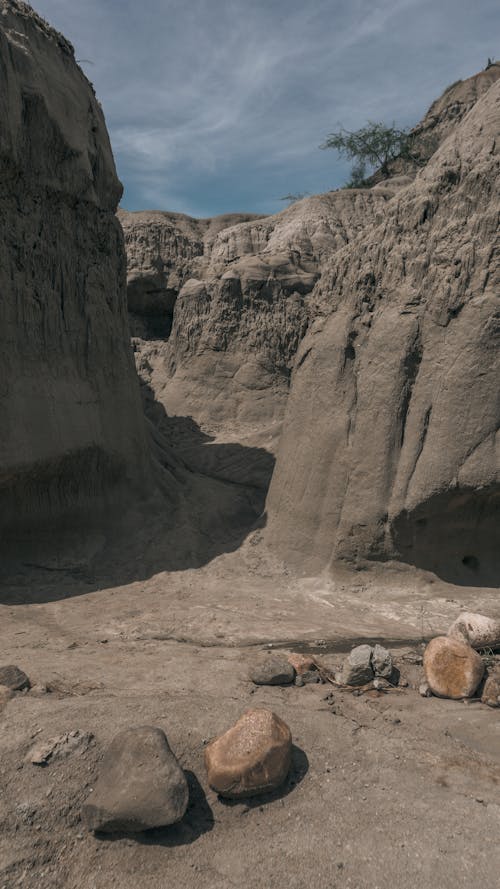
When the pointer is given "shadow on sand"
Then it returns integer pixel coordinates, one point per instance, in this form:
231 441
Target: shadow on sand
207 497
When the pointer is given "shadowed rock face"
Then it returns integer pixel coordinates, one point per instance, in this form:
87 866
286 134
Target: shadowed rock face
70 413
390 443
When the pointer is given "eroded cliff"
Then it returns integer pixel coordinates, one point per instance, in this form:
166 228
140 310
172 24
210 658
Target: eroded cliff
390 446
70 413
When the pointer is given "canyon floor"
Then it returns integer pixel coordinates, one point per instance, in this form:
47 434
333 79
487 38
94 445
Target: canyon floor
386 788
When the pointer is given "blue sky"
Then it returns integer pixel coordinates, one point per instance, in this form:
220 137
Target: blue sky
216 106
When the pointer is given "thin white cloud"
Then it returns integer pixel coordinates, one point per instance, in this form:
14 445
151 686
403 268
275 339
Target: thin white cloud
212 103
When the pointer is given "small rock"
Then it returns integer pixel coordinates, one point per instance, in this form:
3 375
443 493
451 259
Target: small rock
357 668
14 678
272 669
141 784
452 668
309 677
39 689
382 662
252 757
491 691
379 683
477 630
60 747
299 682
424 690
302 663
403 683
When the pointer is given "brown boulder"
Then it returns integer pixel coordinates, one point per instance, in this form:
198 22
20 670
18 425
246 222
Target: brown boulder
302 663
452 668
252 757
491 691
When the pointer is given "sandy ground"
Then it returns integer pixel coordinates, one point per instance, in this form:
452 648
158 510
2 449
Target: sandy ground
386 789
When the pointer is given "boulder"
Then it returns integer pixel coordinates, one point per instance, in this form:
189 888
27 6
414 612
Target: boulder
14 678
476 629
382 662
452 668
272 669
252 757
357 668
141 784
491 691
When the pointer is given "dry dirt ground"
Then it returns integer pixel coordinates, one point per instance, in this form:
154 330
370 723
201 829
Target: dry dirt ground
387 789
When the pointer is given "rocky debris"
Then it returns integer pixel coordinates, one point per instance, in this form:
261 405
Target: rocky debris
14 678
491 691
452 668
424 690
432 499
382 662
252 757
272 669
381 684
141 784
357 668
477 630
74 438
75 741
366 662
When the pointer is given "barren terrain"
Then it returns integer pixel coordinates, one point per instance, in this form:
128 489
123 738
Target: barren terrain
386 787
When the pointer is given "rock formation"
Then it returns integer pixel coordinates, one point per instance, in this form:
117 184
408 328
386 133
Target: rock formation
380 307
70 412
390 442
239 301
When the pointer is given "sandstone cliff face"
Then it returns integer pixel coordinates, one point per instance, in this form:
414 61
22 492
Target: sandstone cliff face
70 414
390 446
242 309
164 250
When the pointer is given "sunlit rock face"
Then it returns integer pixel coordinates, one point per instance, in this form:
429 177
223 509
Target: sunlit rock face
390 446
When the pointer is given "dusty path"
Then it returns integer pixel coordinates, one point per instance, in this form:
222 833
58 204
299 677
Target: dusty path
387 789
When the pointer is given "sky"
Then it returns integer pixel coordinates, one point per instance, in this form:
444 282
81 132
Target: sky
219 106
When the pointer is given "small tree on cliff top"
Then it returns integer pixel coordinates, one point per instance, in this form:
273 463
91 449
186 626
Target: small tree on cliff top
375 144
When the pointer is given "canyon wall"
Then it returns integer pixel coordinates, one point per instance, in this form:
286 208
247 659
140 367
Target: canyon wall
390 446
72 428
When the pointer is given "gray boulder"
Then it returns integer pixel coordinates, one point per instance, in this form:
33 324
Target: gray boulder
14 678
382 662
141 784
272 669
357 669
